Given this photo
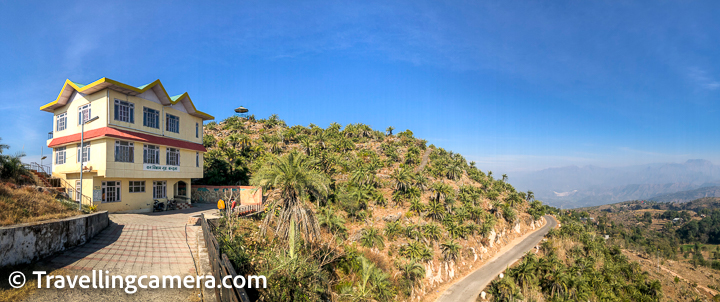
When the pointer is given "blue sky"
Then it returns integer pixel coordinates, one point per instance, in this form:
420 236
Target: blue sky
512 85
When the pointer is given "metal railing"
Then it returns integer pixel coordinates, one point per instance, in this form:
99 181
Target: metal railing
220 265
56 182
50 135
248 209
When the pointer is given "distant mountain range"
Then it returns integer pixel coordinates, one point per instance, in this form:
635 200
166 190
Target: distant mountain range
573 186
686 196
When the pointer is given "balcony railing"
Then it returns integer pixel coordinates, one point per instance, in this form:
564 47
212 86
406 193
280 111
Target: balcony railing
50 135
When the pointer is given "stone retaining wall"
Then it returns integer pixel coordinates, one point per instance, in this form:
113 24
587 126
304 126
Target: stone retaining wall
28 242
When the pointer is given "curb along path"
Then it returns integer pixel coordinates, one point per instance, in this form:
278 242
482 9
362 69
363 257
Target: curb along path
468 288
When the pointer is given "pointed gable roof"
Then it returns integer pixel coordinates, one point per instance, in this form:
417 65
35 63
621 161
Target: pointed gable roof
69 87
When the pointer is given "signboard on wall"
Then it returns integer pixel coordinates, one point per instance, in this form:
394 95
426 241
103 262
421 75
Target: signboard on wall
97 195
162 168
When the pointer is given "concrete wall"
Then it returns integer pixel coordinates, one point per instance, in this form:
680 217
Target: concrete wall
30 242
211 194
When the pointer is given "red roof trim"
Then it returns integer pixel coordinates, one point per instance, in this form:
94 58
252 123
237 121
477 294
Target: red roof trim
128 135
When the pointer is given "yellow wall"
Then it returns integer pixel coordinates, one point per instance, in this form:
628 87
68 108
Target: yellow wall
187 169
97 161
138 202
102 150
98 107
87 184
187 121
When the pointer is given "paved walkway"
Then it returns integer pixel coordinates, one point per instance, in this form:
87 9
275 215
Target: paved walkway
468 288
133 249
133 244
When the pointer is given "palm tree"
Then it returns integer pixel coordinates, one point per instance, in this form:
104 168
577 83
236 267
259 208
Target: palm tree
360 195
441 190
334 127
11 167
233 139
416 206
321 137
416 251
294 175
344 145
403 179
525 273
306 145
450 250
363 290
362 176
389 130
471 228
334 223
432 231
485 229
3 146
454 170
371 238
454 229
435 210
413 232
392 230
420 181
411 274
504 290
504 177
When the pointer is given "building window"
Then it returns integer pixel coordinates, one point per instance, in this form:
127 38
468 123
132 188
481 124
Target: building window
61 121
137 187
173 157
159 189
197 159
85 152
110 191
124 152
172 123
83 113
124 111
197 130
151 118
151 154
59 155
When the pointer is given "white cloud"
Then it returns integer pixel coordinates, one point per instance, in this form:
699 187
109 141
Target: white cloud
701 78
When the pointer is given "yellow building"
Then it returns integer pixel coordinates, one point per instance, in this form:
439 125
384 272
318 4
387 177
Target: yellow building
145 144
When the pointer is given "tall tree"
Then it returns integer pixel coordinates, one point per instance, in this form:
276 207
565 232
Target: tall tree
3 146
411 274
294 175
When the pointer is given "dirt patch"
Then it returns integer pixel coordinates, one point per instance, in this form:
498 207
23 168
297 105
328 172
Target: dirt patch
692 282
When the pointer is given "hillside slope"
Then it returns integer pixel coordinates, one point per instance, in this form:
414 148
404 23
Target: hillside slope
379 211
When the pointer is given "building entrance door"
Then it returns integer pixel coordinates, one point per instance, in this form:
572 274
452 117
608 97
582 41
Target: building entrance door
77 190
181 189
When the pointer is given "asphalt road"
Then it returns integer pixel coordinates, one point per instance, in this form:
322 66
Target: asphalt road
468 289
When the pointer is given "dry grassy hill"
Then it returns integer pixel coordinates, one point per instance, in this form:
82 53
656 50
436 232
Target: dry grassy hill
385 204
